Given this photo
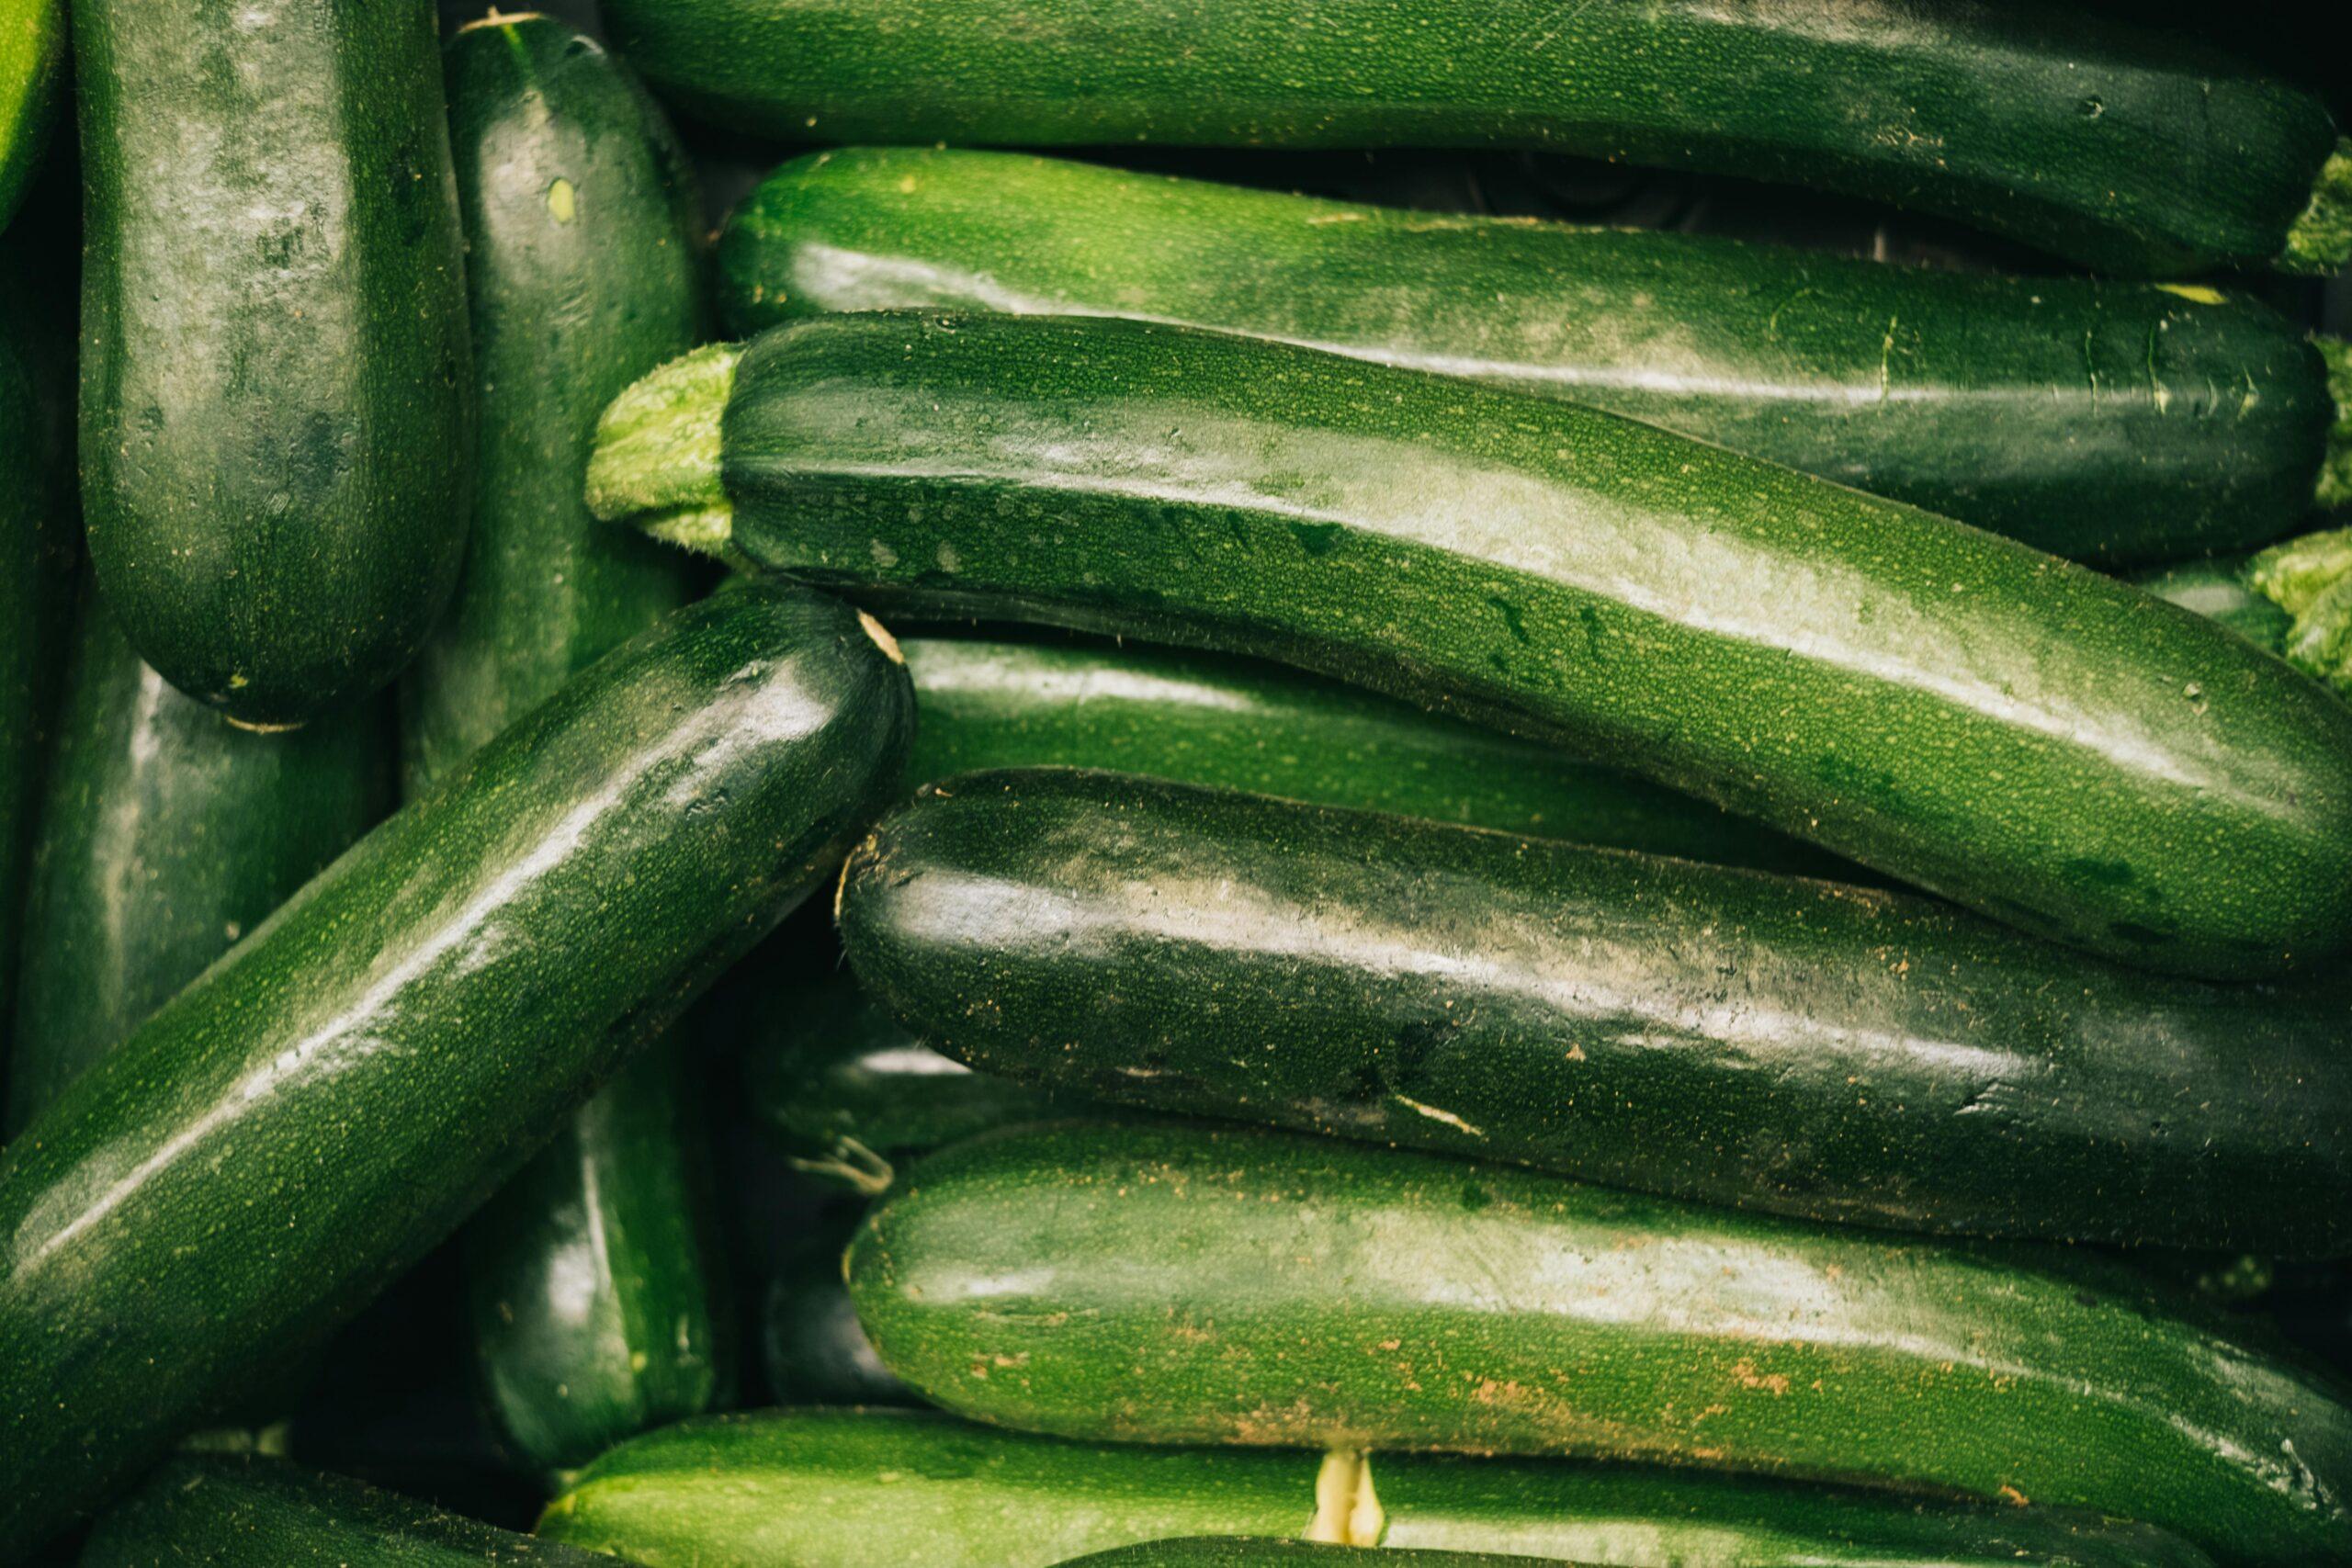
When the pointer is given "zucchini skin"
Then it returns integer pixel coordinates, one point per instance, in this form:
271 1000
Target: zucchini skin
1244 724
2113 146
1274 1289
2217 588
32 50
232 1509
2027 738
1271 1552
848 1488
2101 422
165 835
812 1349
360 1072
1861 1057
277 404
590 1274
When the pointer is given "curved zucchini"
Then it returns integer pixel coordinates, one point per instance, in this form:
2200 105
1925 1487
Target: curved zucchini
357 1073
849 1489
223 1509
2294 599
2101 422
276 405
2042 743
2116 145
589 1273
1847 1055
32 50
164 836
1245 724
1277 1290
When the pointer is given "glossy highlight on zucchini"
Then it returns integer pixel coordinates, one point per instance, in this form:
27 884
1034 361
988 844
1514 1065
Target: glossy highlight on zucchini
2114 144
2037 741
1800 1047
1277 1290
2098 421
849 1488
332 1097
277 402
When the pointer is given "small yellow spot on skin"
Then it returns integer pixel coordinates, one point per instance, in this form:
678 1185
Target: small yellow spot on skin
882 638
562 201
2016 1496
2195 293
907 185
1576 1053
638 1360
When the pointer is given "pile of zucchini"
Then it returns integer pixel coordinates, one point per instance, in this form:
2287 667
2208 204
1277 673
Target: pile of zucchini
1171 856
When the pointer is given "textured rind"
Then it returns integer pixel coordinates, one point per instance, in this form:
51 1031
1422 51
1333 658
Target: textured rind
2100 421
2311 578
2028 737
165 835
1795 1046
591 1275
224 1510
2335 470
331 1098
656 457
851 1489
2320 242
277 402
1274 1289
2120 146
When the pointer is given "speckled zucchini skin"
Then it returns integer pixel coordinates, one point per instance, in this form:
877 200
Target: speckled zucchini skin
277 402
1274 1289
1264 1552
1245 724
2101 422
32 56
589 1273
1800 1047
331 1098
2028 737
164 836
849 1489
2116 145
221 1510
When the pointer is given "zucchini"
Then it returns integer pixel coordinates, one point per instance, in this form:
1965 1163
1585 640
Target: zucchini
2294 599
849 1489
225 1510
2042 743
589 1273
1258 726
164 836
276 405
812 1349
1849 1054
358 1073
1267 1552
2103 421
1270 1288
2116 145
32 50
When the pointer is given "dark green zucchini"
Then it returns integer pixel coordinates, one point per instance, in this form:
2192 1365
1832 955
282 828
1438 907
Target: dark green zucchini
32 58
2115 144
1267 1552
234 1511
850 1489
2105 422
1841 1054
2294 599
165 835
332 1097
594 1310
1270 1288
1258 726
277 407
2030 738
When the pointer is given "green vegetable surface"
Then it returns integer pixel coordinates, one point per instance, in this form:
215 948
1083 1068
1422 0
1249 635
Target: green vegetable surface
1263 1551
2294 599
2100 421
331 1098
32 60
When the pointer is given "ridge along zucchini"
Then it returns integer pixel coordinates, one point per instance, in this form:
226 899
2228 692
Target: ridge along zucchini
2293 600
1267 1551
32 54
2026 737
589 1273
2119 146
1250 725
164 835
276 404
1279 1290
1863 1057
228 1509
353 1078
2130 423
848 1489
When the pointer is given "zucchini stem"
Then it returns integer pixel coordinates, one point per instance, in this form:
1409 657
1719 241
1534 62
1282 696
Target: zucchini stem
657 457
2321 240
2335 461
2311 578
